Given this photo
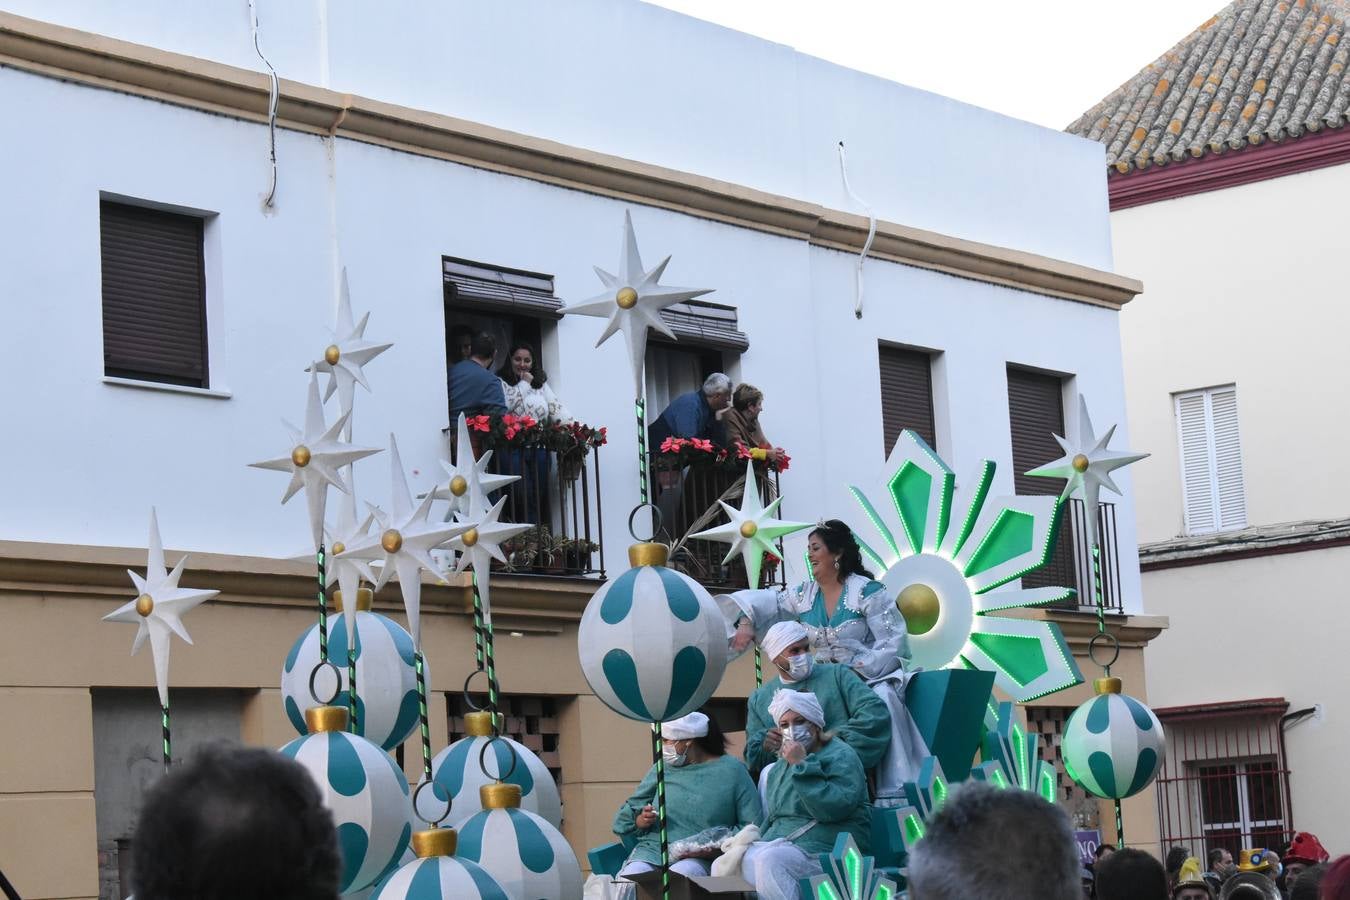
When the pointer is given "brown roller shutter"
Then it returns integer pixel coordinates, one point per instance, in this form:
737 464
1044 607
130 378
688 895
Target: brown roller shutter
154 311
1036 415
906 394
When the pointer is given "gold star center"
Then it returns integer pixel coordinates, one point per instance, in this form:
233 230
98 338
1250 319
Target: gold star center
1081 463
145 605
391 541
332 355
459 485
626 298
300 456
749 530
469 538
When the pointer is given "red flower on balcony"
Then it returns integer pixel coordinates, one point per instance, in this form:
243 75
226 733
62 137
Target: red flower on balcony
480 423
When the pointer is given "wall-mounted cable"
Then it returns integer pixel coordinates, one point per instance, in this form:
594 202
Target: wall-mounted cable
271 106
871 233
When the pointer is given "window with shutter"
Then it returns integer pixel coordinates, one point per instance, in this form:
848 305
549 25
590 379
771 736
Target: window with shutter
1035 416
906 394
1211 460
154 309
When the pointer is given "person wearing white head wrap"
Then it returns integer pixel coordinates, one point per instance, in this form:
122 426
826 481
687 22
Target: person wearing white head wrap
782 636
705 788
814 793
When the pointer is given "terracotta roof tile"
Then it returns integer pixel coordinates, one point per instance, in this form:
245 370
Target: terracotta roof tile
1259 70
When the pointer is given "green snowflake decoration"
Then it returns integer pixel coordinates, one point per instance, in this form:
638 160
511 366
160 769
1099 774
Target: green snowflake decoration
848 875
949 576
1012 758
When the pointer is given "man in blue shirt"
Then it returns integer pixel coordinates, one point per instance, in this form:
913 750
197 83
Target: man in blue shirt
474 390
694 415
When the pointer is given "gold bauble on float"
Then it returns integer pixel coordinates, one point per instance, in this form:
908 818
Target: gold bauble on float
145 605
469 538
627 298
1080 463
920 606
300 456
749 530
459 485
391 541
332 355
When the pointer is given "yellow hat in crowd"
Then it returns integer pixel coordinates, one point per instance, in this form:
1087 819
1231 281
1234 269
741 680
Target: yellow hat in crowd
1191 876
1259 859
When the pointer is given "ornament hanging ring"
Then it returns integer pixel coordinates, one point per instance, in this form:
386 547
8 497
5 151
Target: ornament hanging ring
337 682
482 758
1106 637
468 699
431 783
657 522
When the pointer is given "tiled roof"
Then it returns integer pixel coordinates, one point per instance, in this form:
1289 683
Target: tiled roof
1259 70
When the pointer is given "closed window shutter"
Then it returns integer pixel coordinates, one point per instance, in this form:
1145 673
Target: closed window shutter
1211 460
906 395
154 315
1035 415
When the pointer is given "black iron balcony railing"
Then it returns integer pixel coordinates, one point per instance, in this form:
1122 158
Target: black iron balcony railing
558 495
1070 564
687 496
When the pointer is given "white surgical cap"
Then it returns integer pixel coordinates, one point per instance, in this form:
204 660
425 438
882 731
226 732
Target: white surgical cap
782 636
694 725
803 702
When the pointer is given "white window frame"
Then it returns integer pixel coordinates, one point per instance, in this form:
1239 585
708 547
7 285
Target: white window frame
1245 824
1223 518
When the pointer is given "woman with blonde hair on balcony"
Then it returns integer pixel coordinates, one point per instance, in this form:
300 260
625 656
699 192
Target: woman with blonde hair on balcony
851 619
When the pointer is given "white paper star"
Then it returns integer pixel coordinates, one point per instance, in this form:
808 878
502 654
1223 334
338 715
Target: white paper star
316 458
481 540
159 608
348 572
632 301
345 358
404 543
1087 466
456 488
752 529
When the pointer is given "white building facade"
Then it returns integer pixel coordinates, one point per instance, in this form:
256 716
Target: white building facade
510 137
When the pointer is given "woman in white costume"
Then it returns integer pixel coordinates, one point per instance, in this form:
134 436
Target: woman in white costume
852 620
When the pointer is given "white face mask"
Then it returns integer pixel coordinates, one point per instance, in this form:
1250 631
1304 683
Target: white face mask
673 757
800 666
802 735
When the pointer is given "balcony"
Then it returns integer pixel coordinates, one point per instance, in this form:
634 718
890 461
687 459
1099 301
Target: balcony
557 493
687 493
1070 564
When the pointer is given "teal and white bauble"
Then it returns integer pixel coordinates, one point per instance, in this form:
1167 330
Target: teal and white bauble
458 773
437 874
363 789
652 642
526 855
386 680
1113 745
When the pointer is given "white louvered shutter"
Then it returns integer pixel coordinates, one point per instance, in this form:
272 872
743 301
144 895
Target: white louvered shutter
1227 459
1211 460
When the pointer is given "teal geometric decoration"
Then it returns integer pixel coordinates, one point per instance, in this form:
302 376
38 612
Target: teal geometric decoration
848 875
964 548
927 792
1012 758
947 706
653 644
1113 746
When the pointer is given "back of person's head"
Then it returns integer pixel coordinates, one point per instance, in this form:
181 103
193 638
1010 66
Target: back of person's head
1035 859
1309 883
716 383
484 346
1131 874
714 743
235 823
1336 881
1175 857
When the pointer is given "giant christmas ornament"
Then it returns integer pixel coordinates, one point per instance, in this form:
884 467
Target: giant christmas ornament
752 529
652 642
1113 744
437 874
633 300
527 856
365 791
345 359
386 681
948 551
457 771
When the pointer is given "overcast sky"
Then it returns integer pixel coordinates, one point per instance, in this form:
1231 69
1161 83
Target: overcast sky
1046 61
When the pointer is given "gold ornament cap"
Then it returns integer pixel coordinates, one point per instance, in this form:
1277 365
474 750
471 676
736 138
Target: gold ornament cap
435 842
1108 685
626 298
648 553
332 354
479 723
326 718
145 605
365 597
920 606
459 485
499 795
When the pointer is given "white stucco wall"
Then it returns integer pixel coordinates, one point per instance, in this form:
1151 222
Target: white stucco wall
1241 287
645 83
94 457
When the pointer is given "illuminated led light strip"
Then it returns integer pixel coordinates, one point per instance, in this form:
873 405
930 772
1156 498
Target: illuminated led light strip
877 523
871 554
916 543
944 511
973 509
993 600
